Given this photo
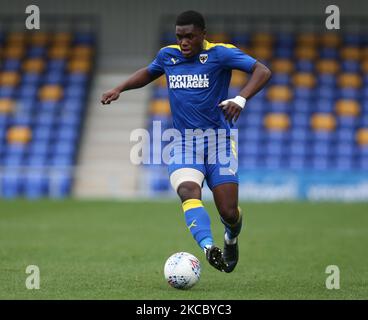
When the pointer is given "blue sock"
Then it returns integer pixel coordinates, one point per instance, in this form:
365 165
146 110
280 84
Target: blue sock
198 222
233 230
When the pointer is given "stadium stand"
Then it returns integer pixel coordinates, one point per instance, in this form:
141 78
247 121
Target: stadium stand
314 113
44 83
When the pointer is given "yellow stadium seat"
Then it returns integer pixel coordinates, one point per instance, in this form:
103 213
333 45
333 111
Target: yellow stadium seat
347 107
59 52
327 66
62 38
238 78
14 52
307 39
362 136
304 79
6 105
262 52
82 52
161 82
365 66
330 39
19 134
350 53
323 122
9 78
51 92
16 38
364 53
352 80
218 38
80 65
282 66
276 121
160 106
39 38
306 52
263 39
35 65
279 93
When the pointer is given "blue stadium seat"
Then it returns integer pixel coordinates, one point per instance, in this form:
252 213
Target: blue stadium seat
324 105
36 161
321 149
16 149
35 184
352 39
350 66
326 79
39 148
11 183
301 106
304 66
300 120
31 78
56 65
60 183
36 52
297 162
77 78
64 148
273 162
239 39
250 149
343 163
320 163
86 38
303 93
22 120
43 133
13 160
7 92
54 77
284 52
297 149
28 91
274 149
349 93
280 79
347 122
345 134
11 65
299 134
325 92
328 53
75 91
160 93
45 119
278 106
285 39
344 149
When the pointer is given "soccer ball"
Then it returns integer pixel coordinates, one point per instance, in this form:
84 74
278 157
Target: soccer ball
182 270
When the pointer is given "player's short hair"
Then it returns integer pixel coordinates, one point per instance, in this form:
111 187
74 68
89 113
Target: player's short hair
191 17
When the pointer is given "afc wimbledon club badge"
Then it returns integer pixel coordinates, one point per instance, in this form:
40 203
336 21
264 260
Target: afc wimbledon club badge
203 57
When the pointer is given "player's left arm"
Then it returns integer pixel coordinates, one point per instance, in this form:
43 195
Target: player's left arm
260 74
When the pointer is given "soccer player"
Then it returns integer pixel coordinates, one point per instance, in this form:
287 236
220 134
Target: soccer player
198 74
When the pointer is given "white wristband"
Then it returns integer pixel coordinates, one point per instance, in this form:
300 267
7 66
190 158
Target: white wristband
240 101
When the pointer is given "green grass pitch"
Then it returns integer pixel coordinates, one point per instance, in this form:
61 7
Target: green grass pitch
117 250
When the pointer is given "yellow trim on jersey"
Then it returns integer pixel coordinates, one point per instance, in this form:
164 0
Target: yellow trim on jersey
206 45
209 45
233 147
191 204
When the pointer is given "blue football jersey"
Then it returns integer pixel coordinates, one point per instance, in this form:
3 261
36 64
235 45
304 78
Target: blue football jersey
198 84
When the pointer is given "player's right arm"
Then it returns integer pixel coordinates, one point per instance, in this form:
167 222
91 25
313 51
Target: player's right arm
137 80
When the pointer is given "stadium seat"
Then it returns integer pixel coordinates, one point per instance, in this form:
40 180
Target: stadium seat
276 121
323 121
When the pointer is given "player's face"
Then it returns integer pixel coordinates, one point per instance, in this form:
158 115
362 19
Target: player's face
190 39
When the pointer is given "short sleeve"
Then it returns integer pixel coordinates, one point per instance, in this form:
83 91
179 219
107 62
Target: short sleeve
234 58
156 66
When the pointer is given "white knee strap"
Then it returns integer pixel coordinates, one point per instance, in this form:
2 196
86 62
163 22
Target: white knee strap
186 174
